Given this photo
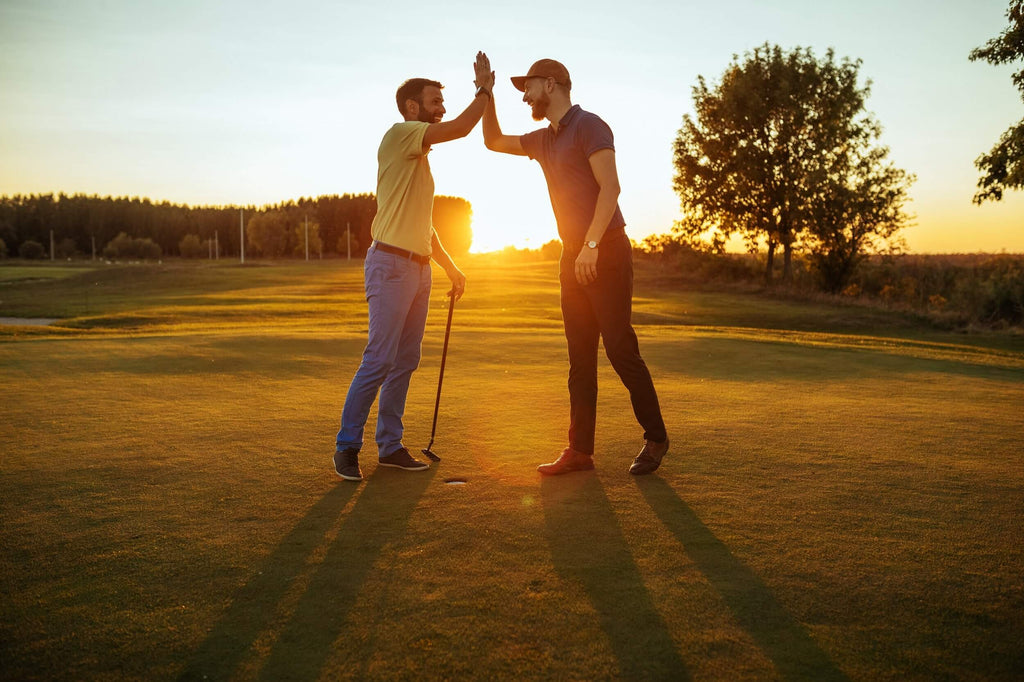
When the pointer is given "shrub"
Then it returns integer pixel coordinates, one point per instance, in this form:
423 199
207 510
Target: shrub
31 250
123 246
967 289
66 248
191 246
3 249
551 250
343 245
937 302
148 249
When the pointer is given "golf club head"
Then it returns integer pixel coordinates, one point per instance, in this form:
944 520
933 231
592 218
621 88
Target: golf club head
431 455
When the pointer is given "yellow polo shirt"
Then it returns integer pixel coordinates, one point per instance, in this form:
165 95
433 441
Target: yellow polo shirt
405 189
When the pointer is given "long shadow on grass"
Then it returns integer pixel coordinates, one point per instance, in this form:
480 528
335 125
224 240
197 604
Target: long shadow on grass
253 606
587 547
379 517
795 654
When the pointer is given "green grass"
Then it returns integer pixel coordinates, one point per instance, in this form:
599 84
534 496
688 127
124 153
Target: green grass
843 498
23 273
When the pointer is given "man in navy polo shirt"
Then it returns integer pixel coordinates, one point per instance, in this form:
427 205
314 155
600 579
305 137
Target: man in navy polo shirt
577 155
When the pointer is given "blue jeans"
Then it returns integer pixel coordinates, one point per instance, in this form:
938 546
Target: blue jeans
397 294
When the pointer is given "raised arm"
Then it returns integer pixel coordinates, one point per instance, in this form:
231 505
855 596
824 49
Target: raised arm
461 125
493 137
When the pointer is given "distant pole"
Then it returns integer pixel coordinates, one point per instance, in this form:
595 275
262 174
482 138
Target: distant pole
348 239
51 245
216 245
94 247
209 249
241 231
307 238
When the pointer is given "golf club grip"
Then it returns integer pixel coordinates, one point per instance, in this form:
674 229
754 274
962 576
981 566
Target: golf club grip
444 357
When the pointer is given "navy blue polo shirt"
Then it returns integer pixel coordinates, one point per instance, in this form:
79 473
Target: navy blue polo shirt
565 158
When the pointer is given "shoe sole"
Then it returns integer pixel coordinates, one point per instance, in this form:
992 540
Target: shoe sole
644 473
399 466
349 478
564 471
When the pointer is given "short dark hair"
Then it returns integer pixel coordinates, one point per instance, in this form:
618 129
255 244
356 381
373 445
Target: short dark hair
413 89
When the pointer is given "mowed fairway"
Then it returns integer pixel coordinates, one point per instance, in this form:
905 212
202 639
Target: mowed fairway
843 498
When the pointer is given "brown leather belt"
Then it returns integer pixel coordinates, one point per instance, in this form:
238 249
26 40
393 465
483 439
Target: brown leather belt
387 248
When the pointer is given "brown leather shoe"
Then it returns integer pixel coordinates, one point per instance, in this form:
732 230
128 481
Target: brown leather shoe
569 460
649 458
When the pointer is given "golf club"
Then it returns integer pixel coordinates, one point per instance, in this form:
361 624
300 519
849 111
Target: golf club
444 354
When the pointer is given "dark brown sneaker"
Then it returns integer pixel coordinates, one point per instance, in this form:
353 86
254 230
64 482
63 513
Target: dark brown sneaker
346 463
649 458
401 459
569 460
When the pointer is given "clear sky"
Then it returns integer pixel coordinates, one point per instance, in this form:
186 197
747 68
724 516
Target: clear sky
206 102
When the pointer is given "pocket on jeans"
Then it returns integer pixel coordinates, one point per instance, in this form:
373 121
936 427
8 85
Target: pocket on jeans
394 268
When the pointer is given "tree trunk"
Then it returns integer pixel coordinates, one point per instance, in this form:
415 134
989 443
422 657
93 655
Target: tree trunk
771 264
787 263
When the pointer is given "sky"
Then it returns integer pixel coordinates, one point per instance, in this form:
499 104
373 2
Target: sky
253 103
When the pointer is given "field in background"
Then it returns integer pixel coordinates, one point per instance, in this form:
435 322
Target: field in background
843 497
952 291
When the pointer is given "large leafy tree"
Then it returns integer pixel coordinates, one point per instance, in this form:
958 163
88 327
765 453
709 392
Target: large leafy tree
781 152
1003 166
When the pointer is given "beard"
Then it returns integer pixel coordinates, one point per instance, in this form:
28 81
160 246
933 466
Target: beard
539 107
425 116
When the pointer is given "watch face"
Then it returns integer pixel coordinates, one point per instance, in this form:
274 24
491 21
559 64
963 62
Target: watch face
592 244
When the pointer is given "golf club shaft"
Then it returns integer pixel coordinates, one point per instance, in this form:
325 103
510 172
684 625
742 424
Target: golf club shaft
444 356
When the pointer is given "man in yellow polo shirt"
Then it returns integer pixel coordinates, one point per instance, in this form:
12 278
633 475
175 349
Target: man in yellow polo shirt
397 268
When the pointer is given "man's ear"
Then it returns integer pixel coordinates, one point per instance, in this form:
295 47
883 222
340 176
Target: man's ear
412 109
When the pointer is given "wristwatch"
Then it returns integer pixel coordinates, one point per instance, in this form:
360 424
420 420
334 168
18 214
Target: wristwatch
482 90
592 244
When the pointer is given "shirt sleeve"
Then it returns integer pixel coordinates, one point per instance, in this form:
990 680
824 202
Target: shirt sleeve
411 141
531 143
595 135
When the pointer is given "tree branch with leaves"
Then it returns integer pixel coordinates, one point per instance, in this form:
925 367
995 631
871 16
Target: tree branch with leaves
1003 166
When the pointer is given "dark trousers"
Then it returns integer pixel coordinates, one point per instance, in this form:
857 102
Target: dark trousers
603 309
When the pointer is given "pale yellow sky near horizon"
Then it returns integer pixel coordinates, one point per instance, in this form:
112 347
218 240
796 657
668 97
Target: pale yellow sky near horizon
262 102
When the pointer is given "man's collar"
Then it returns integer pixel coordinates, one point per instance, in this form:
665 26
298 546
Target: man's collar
566 119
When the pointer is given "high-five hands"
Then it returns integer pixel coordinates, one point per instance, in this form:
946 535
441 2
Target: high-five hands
484 76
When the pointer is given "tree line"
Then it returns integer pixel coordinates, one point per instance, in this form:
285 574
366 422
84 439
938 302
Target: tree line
122 227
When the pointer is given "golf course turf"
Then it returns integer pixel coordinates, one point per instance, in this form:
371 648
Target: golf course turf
843 498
